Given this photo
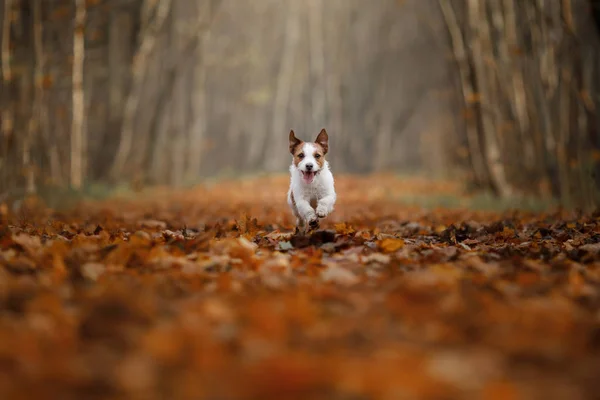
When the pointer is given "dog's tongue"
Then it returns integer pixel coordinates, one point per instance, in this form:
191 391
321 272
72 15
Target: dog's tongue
308 176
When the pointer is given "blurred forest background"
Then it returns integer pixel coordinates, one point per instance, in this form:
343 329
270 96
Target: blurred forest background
502 94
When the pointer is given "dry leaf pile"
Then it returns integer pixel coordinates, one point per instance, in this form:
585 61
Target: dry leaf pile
205 294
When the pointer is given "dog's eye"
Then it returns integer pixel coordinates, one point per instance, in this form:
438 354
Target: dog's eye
317 156
301 155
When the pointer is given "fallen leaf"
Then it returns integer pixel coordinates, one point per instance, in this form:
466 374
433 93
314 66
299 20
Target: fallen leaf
390 245
92 271
284 246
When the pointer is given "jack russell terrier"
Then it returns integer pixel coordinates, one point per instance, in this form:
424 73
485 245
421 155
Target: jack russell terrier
312 194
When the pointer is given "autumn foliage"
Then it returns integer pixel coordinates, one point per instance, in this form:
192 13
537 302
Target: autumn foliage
206 294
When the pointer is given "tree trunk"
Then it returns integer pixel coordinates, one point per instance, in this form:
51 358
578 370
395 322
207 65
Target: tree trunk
7 109
279 131
478 163
480 29
317 63
199 113
78 105
138 72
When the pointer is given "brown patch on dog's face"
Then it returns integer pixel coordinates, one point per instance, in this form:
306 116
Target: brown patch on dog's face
298 153
319 154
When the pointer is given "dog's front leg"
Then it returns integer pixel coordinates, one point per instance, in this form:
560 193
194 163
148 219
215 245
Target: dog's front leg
325 205
300 226
307 213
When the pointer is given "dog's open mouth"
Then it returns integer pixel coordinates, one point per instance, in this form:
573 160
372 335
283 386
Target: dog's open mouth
308 176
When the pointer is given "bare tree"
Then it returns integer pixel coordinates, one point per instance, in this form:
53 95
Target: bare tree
148 38
77 127
485 79
7 109
166 92
198 102
284 87
317 61
525 65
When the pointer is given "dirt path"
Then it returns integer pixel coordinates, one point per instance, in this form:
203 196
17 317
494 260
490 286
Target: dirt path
204 294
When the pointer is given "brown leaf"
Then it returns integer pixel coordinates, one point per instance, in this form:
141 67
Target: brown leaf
31 244
390 245
92 271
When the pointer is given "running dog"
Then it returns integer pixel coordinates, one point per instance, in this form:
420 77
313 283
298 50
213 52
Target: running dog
312 193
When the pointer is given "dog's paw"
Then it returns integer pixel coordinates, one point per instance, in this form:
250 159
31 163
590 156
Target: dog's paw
313 224
322 211
309 216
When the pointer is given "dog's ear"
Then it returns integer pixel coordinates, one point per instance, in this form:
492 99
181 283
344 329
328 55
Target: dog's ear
294 141
323 140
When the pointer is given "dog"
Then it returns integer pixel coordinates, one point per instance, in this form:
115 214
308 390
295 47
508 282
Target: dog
312 192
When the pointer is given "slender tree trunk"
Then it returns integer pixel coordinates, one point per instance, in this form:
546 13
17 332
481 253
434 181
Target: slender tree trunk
563 135
460 54
78 123
335 51
284 88
479 26
138 71
385 126
178 100
159 145
40 102
118 59
7 109
200 115
317 63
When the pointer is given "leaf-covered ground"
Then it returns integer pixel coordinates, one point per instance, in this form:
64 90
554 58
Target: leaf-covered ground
205 294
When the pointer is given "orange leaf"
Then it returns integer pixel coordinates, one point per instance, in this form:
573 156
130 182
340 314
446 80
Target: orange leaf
391 245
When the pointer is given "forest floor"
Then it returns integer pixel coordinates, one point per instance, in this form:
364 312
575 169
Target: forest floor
204 293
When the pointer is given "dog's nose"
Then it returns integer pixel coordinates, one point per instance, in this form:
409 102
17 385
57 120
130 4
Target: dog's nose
309 167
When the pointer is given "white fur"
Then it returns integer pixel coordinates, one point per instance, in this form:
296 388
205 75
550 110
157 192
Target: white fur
321 189
309 157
